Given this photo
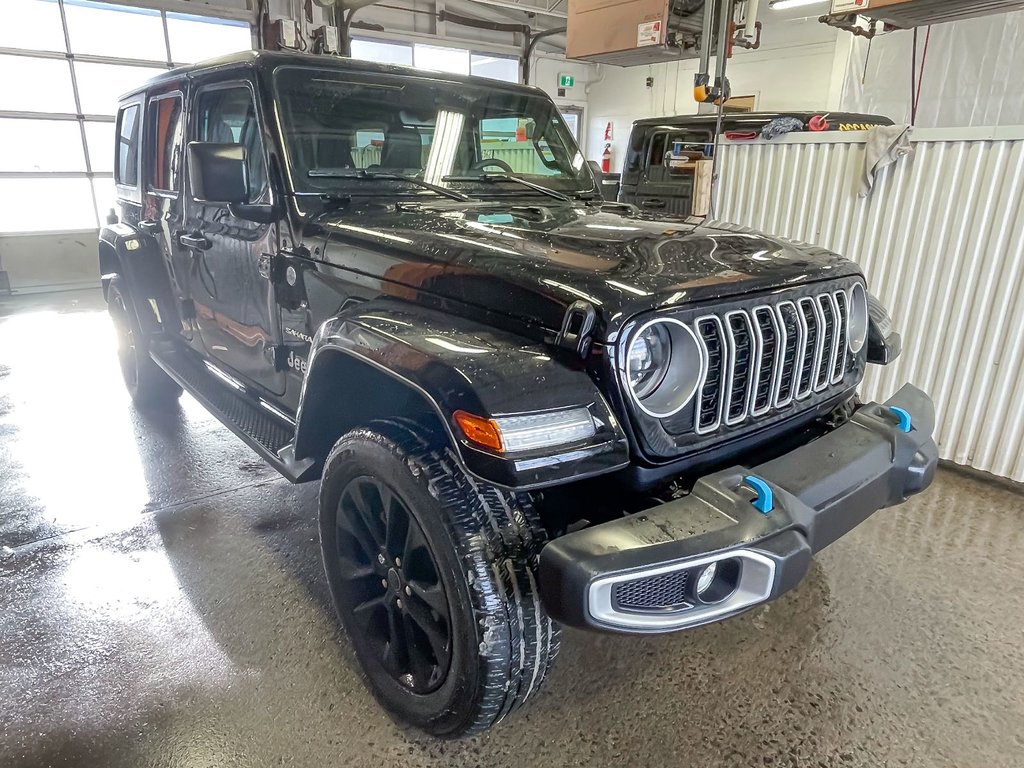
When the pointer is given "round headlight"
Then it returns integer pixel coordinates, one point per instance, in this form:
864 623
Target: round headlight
648 360
664 364
857 330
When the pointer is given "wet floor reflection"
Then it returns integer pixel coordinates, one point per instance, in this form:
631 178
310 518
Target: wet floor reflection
186 623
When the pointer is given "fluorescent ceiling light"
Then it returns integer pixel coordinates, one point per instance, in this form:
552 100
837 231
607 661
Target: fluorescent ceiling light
781 5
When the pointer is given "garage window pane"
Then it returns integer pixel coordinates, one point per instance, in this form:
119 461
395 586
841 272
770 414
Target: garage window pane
40 145
100 85
32 25
114 30
100 139
383 53
38 205
438 59
194 38
495 67
35 85
106 198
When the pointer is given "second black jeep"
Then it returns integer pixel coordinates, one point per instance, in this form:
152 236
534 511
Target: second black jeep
526 406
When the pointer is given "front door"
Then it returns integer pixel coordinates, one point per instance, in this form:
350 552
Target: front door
234 300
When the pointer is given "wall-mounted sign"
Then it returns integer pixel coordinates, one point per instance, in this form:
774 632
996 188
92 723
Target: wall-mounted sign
566 80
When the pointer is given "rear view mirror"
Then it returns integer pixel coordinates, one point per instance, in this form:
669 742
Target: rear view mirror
217 172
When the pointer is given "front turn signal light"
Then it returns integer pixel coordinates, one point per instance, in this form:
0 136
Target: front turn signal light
479 430
527 432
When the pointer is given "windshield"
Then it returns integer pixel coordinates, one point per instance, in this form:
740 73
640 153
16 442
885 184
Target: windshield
351 132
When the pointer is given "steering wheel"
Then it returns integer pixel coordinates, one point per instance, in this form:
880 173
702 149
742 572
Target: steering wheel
479 165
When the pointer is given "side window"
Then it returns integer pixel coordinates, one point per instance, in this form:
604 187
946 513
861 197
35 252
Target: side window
164 143
657 156
228 116
126 172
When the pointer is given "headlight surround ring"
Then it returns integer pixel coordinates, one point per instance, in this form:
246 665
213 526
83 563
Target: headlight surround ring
857 326
684 368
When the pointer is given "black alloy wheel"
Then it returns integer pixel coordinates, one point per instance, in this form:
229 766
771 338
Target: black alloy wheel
127 353
432 575
393 591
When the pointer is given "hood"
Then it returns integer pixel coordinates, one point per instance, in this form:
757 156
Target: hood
533 261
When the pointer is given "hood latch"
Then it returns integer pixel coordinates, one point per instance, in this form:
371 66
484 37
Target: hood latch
576 327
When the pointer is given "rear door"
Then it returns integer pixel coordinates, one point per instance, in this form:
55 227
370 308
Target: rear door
235 307
163 212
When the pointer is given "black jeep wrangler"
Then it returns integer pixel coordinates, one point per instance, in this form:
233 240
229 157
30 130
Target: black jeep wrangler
526 406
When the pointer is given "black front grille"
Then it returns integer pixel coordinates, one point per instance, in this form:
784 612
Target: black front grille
763 358
654 593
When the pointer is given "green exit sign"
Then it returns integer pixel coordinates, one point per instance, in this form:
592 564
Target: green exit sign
566 81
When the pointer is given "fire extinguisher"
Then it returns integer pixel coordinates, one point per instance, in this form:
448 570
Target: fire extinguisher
606 159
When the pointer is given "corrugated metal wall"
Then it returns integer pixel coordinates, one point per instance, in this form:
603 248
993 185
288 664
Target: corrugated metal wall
941 240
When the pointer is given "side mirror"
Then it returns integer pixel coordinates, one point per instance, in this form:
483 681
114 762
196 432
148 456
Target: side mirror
595 168
217 172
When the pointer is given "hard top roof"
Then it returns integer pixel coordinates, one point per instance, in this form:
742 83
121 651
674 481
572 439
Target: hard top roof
268 60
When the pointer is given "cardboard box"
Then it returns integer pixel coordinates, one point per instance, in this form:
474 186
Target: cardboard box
596 28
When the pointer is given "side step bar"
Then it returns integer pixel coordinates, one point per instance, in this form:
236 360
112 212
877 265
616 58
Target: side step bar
270 436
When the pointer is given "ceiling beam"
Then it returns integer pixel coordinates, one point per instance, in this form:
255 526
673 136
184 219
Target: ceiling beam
523 8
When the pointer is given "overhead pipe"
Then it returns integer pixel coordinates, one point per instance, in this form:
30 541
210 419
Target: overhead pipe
531 43
493 26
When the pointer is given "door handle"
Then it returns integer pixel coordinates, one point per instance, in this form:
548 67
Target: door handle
149 226
653 203
195 240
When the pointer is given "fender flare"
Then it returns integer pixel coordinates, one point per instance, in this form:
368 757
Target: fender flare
446 363
136 258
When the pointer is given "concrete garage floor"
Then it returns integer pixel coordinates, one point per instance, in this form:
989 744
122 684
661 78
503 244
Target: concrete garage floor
162 604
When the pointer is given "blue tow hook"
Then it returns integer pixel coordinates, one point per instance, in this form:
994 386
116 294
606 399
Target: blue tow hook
906 423
765 501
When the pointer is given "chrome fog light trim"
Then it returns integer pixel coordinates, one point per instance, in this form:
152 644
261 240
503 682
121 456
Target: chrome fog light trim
756 578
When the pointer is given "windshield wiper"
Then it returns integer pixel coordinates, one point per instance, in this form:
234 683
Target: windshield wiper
364 175
492 177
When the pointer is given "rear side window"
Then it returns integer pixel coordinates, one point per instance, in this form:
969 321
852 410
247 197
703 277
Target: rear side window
164 144
127 171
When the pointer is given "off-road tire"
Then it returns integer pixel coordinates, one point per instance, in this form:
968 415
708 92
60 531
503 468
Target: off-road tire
485 542
147 383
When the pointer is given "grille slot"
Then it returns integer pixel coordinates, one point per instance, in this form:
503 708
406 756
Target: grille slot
743 352
768 356
655 593
830 341
709 412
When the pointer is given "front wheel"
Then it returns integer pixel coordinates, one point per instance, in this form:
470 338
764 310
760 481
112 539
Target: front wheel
432 575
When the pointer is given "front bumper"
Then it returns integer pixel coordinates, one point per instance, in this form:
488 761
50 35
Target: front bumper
760 527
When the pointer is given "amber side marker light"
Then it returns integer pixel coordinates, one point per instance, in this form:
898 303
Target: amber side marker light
479 430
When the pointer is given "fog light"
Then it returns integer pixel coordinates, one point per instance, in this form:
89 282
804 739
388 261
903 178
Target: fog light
706 578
